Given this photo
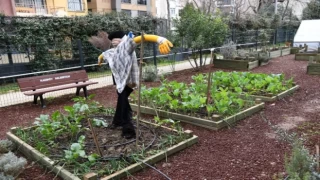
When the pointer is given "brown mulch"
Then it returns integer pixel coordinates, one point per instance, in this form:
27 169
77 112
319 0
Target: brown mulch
248 151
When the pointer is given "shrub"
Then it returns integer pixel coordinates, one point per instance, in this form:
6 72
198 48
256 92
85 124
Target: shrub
10 164
228 50
149 73
300 163
4 177
5 146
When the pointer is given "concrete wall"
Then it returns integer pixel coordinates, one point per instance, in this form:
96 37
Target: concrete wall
7 7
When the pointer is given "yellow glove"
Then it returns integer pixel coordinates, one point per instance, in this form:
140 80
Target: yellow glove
100 60
164 44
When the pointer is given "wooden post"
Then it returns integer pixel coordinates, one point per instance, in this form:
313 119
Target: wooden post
311 59
90 176
209 78
139 87
317 158
95 138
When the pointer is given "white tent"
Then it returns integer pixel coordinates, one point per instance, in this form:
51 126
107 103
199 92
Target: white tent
308 33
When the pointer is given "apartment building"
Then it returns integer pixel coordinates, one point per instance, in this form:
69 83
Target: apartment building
44 7
225 6
132 7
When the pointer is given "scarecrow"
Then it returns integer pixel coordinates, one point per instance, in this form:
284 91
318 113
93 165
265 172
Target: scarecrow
125 72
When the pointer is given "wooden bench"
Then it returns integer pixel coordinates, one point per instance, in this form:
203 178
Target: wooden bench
38 85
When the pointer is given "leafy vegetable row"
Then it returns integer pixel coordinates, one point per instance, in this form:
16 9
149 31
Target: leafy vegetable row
248 82
191 99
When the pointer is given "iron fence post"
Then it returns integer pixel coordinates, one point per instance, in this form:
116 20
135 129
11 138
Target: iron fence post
257 35
80 53
9 52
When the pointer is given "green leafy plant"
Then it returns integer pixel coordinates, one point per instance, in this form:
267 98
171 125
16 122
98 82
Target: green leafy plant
190 99
99 123
77 151
247 82
299 165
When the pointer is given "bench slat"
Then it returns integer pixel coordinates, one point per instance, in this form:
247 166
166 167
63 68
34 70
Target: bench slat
52 80
56 88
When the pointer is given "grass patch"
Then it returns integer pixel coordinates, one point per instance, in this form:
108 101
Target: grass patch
10 87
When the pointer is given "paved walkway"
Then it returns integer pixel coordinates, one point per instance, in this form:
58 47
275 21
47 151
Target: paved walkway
18 97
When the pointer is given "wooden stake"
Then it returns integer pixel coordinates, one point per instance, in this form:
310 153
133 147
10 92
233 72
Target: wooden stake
317 158
95 138
209 79
139 87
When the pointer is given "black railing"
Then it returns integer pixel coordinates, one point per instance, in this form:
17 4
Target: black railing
142 2
126 1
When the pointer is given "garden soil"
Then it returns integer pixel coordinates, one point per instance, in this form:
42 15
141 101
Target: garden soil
250 150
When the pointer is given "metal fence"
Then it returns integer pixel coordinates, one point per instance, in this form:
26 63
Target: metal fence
19 62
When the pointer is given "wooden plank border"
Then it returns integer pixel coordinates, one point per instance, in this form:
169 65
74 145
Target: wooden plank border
304 56
209 124
235 64
313 69
35 155
277 97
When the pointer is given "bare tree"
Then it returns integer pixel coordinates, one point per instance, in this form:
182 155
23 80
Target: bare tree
169 16
240 9
206 6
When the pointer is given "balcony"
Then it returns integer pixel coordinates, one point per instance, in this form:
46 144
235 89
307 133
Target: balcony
142 2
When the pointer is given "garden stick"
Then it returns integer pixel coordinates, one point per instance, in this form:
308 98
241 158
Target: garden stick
139 87
95 138
317 158
209 77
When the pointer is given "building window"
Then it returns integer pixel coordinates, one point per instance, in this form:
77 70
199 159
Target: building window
172 11
88 1
89 10
224 2
126 1
142 2
75 5
29 3
127 12
142 13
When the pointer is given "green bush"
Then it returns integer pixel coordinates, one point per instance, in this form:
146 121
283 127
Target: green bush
298 166
149 73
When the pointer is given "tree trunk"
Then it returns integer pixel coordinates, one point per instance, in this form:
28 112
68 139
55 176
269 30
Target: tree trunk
169 17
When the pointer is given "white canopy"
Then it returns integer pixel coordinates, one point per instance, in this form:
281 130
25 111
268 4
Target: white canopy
308 33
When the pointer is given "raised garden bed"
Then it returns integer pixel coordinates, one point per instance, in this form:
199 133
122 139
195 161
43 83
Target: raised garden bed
285 51
217 122
305 56
279 52
189 103
313 67
252 85
236 64
73 157
274 97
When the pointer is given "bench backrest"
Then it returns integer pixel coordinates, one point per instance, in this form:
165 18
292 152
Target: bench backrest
45 81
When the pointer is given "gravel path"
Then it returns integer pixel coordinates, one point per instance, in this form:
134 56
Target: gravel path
251 150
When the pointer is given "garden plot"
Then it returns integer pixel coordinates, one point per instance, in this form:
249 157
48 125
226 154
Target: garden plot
188 103
65 144
305 56
251 85
314 65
